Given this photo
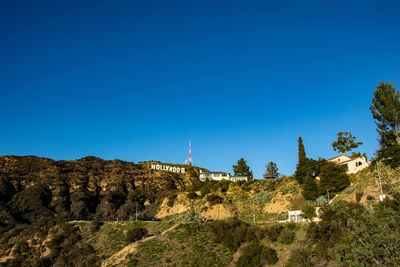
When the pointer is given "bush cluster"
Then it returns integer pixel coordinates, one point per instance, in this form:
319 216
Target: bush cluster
136 234
257 255
348 233
273 232
171 199
263 197
191 195
214 199
287 236
288 189
232 233
205 190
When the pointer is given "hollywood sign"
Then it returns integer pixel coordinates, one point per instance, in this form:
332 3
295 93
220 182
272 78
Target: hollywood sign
160 167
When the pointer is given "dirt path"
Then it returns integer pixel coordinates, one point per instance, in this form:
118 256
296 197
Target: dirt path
130 249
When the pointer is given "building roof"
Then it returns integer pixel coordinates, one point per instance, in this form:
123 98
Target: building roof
339 157
347 160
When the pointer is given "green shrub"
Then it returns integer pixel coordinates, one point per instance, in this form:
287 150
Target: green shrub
291 226
257 255
205 190
308 211
273 232
232 233
170 203
136 234
191 195
171 199
349 190
214 199
283 216
262 197
224 185
173 196
299 258
286 237
359 196
95 225
288 189
321 200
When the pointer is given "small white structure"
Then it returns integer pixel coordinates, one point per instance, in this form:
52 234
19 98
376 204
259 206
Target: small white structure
218 176
296 216
353 165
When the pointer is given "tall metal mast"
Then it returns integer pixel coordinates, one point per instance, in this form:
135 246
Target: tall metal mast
189 160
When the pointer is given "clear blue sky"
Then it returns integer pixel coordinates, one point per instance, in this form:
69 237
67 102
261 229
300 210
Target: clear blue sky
135 80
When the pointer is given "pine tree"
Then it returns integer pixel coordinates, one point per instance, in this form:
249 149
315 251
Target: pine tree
385 110
242 169
271 171
345 142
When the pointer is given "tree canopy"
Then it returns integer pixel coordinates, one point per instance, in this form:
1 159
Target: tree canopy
242 169
385 110
302 168
271 171
302 152
345 142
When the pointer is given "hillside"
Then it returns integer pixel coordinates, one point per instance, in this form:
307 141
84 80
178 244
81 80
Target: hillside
79 213
88 188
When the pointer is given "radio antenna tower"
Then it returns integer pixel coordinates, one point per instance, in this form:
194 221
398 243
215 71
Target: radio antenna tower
189 160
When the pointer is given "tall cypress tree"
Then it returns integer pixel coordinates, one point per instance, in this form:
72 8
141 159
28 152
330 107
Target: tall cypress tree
302 152
302 169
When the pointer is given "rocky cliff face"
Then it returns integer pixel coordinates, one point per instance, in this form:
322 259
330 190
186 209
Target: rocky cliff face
88 188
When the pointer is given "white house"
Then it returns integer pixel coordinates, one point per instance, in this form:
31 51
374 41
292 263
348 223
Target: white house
296 216
218 176
353 165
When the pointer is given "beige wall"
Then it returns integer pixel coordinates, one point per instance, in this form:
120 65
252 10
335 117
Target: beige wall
353 165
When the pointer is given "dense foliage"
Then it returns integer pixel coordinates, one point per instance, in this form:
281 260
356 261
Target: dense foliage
271 171
242 169
257 255
352 235
136 234
345 142
385 110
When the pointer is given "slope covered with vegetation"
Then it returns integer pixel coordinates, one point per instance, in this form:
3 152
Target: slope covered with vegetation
71 213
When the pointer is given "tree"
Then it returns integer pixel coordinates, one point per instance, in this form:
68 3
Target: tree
309 188
302 152
272 170
345 142
308 211
241 169
302 169
385 110
333 176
